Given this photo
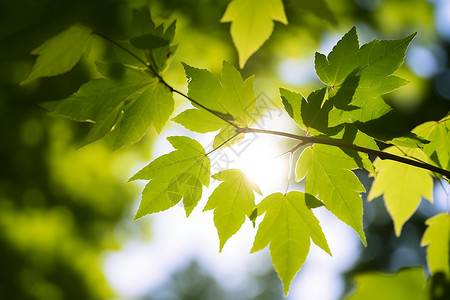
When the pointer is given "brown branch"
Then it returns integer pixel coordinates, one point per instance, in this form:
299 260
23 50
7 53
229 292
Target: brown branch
380 154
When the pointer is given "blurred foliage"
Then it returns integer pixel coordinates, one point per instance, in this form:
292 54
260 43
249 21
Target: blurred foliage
60 207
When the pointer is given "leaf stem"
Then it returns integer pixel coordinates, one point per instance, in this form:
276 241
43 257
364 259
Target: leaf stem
161 79
223 143
380 154
304 139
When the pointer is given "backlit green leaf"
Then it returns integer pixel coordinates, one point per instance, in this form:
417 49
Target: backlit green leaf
438 133
311 114
402 185
232 201
389 128
288 226
327 173
437 238
227 137
229 96
341 61
179 174
60 53
252 24
405 284
375 63
127 104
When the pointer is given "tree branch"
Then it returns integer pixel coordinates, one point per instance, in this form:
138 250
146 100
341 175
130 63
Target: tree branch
304 139
380 154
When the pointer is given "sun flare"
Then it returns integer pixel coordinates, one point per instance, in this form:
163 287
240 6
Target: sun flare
262 163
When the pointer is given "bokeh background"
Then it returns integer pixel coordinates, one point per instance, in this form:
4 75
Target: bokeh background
66 228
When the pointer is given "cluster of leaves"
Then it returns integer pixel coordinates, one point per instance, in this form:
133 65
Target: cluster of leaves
344 121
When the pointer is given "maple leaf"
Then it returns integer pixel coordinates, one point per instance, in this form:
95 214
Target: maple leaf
127 104
327 173
229 96
252 24
401 185
232 200
288 226
179 174
374 64
438 133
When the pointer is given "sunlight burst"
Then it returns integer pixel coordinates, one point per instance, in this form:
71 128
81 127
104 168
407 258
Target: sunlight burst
263 163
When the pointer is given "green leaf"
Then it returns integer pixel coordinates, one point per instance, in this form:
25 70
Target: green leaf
312 114
437 238
153 105
327 174
179 174
438 133
288 226
227 137
60 53
405 284
141 98
199 120
292 103
229 97
156 41
390 129
252 24
402 185
232 200
353 136
376 62
341 61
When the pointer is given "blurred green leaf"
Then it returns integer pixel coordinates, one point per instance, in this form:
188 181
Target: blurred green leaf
60 53
437 238
127 104
405 284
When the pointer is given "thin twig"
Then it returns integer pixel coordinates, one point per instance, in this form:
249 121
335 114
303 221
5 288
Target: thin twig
161 79
380 154
304 139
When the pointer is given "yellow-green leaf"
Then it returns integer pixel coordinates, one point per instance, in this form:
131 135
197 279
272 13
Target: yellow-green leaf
438 133
60 53
232 200
288 226
125 105
327 173
402 185
405 284
437 238
179 174
252 24
228 97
